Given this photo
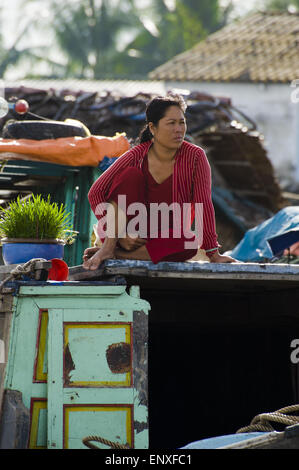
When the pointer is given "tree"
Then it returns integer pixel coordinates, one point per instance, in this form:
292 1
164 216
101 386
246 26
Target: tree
177 30
208 12
282 5
119 38
90 33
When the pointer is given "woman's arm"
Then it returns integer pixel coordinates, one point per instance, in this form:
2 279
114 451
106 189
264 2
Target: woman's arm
99 190
203 194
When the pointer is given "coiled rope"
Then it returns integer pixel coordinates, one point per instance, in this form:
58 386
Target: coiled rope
20 270
113 445
262 421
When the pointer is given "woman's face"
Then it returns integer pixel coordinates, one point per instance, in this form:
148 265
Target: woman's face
170 130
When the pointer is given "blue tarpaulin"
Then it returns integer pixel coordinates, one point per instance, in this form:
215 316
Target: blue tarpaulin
226 440
254 246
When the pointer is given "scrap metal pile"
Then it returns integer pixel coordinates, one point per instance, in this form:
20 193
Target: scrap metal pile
245 190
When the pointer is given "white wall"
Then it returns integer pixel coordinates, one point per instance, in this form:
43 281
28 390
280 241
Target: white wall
270 106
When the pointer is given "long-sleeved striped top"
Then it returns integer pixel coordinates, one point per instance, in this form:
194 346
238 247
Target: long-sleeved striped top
191 183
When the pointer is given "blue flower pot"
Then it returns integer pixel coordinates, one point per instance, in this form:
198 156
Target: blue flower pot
20 251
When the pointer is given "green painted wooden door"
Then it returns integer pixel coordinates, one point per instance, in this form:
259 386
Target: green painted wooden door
79 357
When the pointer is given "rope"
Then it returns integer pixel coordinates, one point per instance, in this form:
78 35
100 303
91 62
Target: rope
20 270
113 445
262 421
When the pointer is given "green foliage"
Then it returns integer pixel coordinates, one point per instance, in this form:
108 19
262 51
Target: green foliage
206 12
178 29
89 32
99 39
36 218
112 38
281 5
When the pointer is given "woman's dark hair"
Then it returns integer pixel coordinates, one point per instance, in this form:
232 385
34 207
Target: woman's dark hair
156 110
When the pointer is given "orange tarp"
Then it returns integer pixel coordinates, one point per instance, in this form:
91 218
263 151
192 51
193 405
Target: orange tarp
73 151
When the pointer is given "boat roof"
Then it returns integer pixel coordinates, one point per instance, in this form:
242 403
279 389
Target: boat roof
195 275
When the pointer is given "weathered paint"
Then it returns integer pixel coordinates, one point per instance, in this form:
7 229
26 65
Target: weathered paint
15 421
196 270
38 420
72 355
114 423
40 363
118 357
85 357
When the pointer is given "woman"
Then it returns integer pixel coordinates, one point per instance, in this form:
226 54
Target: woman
163 168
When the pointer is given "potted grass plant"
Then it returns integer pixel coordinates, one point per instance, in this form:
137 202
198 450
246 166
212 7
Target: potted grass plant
34 227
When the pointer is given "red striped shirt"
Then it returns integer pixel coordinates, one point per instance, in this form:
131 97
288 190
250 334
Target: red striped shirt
191 183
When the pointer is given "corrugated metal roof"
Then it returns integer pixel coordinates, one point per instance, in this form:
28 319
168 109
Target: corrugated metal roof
263 47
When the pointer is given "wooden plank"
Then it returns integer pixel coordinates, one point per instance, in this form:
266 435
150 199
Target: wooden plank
192 270
55 377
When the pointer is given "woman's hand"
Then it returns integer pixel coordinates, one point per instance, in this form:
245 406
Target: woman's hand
94 256
131 244
89 252
218 258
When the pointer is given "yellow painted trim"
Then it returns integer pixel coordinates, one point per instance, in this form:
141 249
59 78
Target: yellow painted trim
70 409
36 407
40 374
106 383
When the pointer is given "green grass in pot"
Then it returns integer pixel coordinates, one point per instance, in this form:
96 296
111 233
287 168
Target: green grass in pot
36 218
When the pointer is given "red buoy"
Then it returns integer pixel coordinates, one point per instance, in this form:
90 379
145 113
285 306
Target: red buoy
21 106
59 270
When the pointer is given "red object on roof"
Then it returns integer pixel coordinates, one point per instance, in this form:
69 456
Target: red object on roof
59 270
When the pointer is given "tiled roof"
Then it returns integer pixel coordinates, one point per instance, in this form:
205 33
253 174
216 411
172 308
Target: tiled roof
263 47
